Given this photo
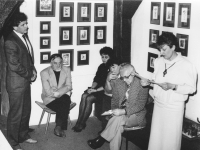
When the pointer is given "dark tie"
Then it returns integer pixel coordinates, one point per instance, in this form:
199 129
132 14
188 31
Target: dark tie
123 103
27 46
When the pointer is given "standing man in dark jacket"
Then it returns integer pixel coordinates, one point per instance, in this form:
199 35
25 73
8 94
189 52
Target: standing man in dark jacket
20 73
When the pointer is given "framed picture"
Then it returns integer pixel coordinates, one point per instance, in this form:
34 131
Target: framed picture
45 57
68 57
169 14
84 12
66 11
184 15
150 62
45 42
83 57
99 34
83 35
183 43
153 36
100 12
155 13
66 35
45 8
45 27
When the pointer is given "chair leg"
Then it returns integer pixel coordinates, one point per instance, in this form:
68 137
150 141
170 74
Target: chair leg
48 120
126 141
69 121
41 118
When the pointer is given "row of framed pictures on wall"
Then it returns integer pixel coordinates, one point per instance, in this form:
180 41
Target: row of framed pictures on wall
184 14
68 57
182 41
66 35
46 8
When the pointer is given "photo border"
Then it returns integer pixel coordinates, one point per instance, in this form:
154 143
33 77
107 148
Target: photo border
66 19
149 68
83 42
84 19
45 61
166 22
71 51
183 51
155 21
45 13
100 19
49 27
45 46
100 41
153 44
82 62
66 42
185 25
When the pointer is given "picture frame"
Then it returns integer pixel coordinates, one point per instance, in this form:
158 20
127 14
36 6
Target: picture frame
66 12
100 12
45 57
153 36
100 34
68 57
183 41
45 8
45 42
150 62
45 27
155 13
66 35
84 12
83 57
83 35
169 14
184 15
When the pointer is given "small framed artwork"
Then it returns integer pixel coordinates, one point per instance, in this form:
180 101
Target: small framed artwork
169 14
183 43
45 8
68 57
66 35
84 12
45 27
155 13
150 62
99 34
83 58
184 15
153 36
83 35
45 42
100 12
66 11
45 57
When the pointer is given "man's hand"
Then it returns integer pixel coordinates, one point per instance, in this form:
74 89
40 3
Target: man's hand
166 86
56 94
34 76
144 82
119 112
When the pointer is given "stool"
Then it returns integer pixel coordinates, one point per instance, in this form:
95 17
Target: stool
49 111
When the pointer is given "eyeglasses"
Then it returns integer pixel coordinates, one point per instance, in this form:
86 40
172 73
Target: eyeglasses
125 77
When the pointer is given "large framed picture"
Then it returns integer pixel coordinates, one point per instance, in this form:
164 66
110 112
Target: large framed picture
155 13
66 35
99 34
84 12
184 15
66 11
45 27
83 57
150 62
45 42
83 35
153 36
45 57
100 12
45 8
183 43
68 57
169 14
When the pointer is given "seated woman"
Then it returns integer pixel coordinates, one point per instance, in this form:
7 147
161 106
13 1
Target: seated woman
95 92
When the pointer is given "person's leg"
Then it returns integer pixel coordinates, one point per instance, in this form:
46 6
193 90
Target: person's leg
106 106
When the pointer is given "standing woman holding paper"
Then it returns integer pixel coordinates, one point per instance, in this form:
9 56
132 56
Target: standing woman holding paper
177 79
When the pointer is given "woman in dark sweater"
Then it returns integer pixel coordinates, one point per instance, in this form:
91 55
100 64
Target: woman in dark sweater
95 92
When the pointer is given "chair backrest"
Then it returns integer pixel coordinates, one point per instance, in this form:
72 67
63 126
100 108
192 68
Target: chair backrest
44 107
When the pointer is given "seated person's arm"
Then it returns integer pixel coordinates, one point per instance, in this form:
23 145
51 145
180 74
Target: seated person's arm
94 84
108 87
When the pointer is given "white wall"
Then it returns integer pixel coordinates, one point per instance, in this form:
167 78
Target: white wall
82 76
140 42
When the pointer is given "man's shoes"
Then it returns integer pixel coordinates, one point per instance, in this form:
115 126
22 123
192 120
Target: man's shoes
59 132
30 141
31 130
96 143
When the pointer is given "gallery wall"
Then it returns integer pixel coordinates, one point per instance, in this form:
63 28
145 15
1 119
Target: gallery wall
83 71
142 45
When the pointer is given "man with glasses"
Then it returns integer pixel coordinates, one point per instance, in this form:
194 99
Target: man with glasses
128 107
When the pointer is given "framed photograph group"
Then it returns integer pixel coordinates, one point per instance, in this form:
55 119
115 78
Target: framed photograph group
155 13
45 57
183 43
84 12
45 27
45 42
68 57
150 62
100 12
153 36
45 8
83 58
66 11
184 15
99 34
169 14
83 35
66 35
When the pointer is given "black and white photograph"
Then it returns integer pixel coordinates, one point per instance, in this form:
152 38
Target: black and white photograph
66 12
45 42
83 57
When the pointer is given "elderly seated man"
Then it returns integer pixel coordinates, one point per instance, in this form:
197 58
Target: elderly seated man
56 82
128 107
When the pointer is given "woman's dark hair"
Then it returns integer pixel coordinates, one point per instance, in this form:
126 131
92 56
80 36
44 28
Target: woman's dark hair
18 17
167 38
106 51
53 56
112 62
